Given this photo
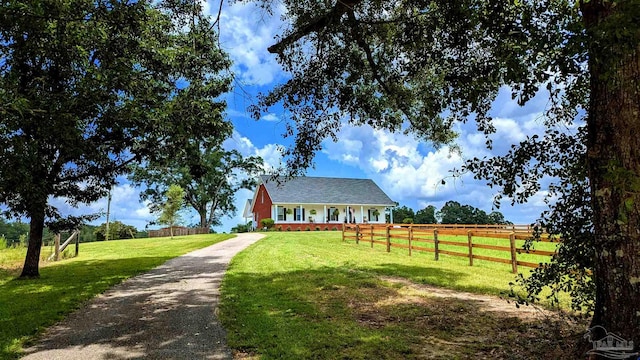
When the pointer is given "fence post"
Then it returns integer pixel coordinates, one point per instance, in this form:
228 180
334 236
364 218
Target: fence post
57 247
343 225
410 238
514 259
77 242
470 243
435 243
372 236
388 238
357 234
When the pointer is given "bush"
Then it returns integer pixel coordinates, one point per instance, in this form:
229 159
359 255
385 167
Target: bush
267 223
288 228
326 228
307 228
279 228
317 228
241 228
407 221
3 243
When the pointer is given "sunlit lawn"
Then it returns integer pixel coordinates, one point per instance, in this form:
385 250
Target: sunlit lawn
302 295
27 306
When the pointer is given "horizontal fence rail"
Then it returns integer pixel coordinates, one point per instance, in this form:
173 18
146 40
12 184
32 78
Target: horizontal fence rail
432 237
178 231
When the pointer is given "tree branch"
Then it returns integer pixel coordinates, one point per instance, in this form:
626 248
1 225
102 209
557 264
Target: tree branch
317 24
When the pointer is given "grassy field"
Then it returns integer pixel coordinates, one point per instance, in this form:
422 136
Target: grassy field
308 295
28 306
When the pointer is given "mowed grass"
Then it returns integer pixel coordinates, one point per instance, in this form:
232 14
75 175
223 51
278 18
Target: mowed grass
304 295
28 306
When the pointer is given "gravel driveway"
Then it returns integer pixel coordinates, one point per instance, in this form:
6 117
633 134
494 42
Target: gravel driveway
167 313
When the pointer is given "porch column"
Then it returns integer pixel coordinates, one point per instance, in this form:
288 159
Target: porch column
275 213
391 215
362 214
324 215
300 212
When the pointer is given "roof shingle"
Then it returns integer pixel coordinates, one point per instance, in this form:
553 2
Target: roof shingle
322 190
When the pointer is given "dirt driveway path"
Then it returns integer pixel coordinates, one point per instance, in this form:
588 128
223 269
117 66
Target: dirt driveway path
167 313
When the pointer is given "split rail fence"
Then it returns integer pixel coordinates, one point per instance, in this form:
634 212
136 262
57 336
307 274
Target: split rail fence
431 238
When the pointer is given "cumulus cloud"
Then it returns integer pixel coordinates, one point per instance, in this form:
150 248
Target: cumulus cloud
270 153
246 34
125 207
410 174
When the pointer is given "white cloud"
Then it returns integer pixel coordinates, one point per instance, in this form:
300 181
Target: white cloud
125 207
270 117
411 176
246 34
270 153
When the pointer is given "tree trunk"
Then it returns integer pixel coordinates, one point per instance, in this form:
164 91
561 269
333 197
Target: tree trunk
32 260
613 143
203 218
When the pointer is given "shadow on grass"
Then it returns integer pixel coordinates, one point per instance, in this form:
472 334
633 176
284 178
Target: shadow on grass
120 319
339 313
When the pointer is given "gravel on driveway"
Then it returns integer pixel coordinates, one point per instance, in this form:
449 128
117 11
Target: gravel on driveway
167 313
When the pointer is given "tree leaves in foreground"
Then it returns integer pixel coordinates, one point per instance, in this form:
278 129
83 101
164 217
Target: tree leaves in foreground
423 66
87 89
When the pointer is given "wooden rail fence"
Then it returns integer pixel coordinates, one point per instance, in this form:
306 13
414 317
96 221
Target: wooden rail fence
428 238
177 231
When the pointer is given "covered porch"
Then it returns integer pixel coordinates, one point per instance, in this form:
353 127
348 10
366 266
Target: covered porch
313 215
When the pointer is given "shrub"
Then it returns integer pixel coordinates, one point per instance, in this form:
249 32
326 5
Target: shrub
288 228
279 228
407 221
326 228
307 228
3 242
317 228
267 223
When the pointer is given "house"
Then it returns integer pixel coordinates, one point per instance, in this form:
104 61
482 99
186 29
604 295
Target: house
302 203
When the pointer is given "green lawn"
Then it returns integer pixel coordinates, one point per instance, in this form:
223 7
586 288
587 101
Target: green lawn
28 306
302 295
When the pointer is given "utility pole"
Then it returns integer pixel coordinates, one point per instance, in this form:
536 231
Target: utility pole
106 235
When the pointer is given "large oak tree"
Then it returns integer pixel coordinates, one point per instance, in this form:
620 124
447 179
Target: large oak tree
210 178
88 88
421 66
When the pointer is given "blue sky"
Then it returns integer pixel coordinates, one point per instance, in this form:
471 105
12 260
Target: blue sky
408 170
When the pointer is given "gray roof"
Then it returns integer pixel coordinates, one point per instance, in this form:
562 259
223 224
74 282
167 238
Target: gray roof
321 190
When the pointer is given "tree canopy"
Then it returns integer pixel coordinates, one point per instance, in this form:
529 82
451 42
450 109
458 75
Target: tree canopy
423 66
426 215
210 179
89 88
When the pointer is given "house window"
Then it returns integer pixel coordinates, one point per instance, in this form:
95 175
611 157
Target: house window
332 214
281 212
371 215
297 214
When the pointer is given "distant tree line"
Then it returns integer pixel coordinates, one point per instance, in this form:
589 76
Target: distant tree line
17 233
452 212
